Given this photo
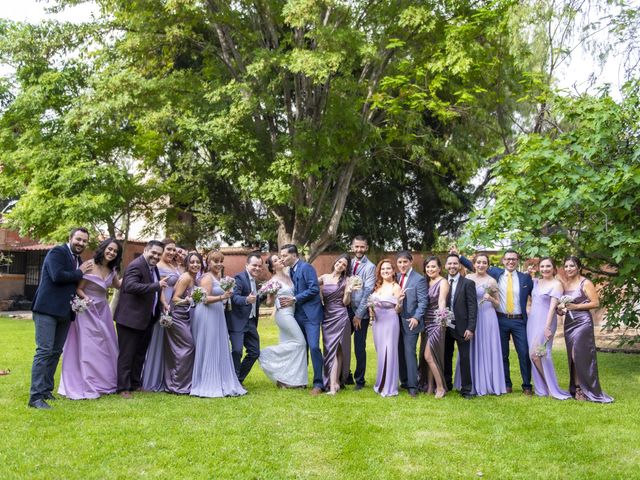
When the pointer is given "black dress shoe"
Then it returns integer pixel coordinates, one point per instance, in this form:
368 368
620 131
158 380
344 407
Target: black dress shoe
359 386
40 404
349 381
412 392
467 396
50 396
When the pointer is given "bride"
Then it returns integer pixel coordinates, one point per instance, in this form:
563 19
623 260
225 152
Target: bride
285 363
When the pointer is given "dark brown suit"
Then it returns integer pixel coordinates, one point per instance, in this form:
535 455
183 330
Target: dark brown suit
134 317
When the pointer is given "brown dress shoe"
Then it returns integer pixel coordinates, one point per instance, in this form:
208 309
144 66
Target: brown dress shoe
509 390
126 394
527 392
315 391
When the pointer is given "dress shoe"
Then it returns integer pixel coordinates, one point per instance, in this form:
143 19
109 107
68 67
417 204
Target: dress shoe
413 393
49 396
315 391
349 381
40 404
359 386
527 392
126 394
509 390
467 396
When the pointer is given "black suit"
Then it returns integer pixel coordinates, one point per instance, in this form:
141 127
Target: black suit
465 311
134 316
243 326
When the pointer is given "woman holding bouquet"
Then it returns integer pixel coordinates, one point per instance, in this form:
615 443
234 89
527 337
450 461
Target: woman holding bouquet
90 353
385 305
434 329
541 327
285 363
153 370
213 371
578 334
487 369
178 341
335 288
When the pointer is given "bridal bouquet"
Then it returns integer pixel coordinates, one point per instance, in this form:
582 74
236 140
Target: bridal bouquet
270 287
355 282
79 305
541 351
446 317
198 295
166 320
490 290
227 283
564 301
373 300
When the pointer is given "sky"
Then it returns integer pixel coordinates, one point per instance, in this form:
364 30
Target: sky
574 75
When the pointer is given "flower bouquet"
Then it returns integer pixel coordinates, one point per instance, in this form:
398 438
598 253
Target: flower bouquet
198 296
166 320
373 301
489 290
79 305
541 350
446 317
227 284
564 301
270 287
355 282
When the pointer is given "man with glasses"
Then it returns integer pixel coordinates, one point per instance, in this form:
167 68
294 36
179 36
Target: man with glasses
514 290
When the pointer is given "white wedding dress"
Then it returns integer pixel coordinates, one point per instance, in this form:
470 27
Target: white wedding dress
286 362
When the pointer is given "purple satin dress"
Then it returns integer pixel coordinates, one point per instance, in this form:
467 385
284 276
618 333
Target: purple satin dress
153 370
90 355
386 332
433 335
545 381
334 325
487 368
581 350
179 349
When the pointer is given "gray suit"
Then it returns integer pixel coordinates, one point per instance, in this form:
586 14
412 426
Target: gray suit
414 306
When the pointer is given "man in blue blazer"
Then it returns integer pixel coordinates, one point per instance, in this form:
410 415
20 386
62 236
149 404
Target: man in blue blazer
308 307
243 319
414 307
514 290
62 270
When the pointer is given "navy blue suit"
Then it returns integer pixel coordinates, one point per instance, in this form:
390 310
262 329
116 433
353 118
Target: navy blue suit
308 313
513 327
51 315
243 327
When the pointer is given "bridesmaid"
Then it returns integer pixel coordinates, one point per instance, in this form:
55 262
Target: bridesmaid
336 294
153 371
213 372
578 335
387 299
178 341
487 368
91 350
541 327
434 330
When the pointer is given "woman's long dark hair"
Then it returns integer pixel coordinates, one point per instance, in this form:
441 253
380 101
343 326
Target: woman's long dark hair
98 256
347 271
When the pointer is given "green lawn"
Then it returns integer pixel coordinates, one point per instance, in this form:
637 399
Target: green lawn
273 433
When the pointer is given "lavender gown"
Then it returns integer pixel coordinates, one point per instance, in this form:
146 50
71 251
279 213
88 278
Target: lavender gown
434 333
386 332
545 382
153 370
179 349
90 352
487 368
213 372
581 350
334 325
286 362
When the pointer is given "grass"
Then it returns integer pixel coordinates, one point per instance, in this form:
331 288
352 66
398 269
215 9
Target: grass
273 433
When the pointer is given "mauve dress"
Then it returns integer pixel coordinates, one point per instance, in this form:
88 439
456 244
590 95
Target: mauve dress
179 349
386 332
435 333
213 372
545 382
90 355
334 325
153 370
487 368
581 350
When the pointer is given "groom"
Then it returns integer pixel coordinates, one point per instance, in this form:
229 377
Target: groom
308 307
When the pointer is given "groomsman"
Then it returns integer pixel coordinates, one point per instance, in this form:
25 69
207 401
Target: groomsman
61 271
308 307
243 319
462 300
139 307
414 307
514 289
358 310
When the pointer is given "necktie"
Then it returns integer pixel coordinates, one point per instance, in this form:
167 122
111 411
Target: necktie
451 280
355 267
78 260
509 293
253 291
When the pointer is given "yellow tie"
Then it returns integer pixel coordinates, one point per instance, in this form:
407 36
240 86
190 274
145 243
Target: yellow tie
509 293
